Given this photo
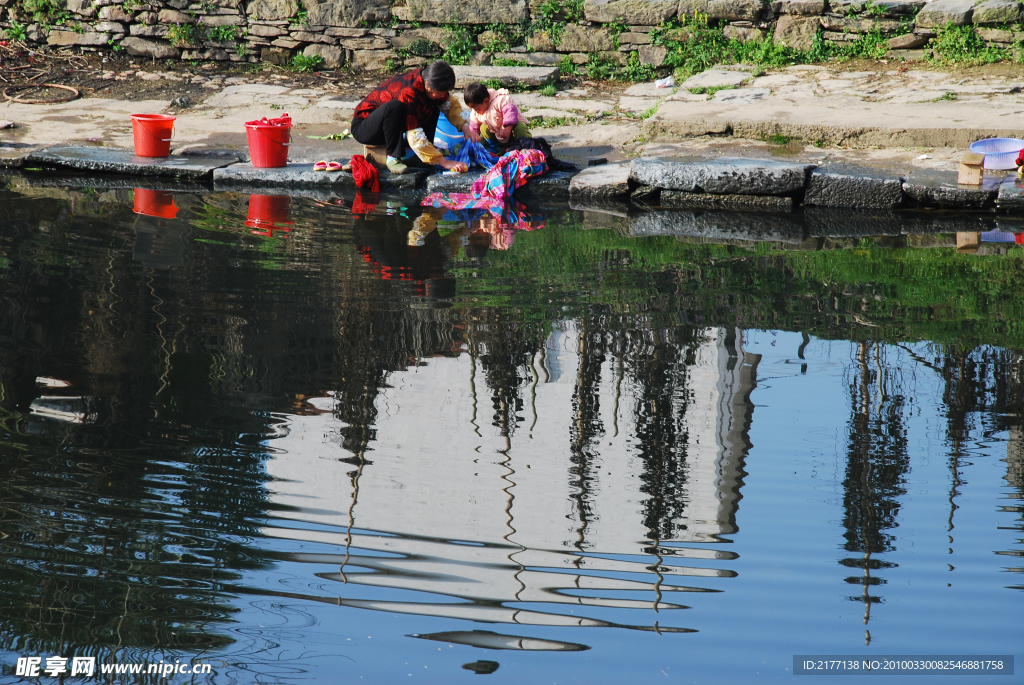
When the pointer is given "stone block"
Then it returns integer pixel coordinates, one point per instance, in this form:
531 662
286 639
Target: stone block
631 38
540 42
722 176
266 31
465 11
286 43
109 27
997 35
758 227
348 13
676 199
175 17
854 25
70 38
155 31
208 54
367 43
653 55
533 59
907 41
83 8
938 188
717 78
372 60
898 8
743 34
729 10
222 20
332 56
279 56
853 188
508 76
147 18
273 10
339 32
644 12
114 13
139 47
808 8
942 12
996 12
796 31
120 161
576 38
607 180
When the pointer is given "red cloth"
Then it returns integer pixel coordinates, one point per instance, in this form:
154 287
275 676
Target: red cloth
407 88
365 174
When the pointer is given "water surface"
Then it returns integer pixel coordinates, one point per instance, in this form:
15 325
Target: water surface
380 443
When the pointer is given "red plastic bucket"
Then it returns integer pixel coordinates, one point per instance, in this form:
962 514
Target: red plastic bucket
152 134
155 203
269 213
268 141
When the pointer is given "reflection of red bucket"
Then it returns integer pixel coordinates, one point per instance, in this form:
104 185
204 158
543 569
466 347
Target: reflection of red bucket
152 134
268 212
268 141
155 203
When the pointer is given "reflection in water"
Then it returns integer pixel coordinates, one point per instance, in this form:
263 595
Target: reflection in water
388 412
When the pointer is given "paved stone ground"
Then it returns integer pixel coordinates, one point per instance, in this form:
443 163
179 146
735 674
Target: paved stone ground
889 116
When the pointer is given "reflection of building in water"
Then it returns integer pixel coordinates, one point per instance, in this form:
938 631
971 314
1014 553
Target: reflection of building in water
1015 458
491 529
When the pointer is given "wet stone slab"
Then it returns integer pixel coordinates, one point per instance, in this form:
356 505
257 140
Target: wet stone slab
607 180
938 188
105 182
723 176
1011 193
106 160
553 185
303 176
845 222
718 225
769 203
853 188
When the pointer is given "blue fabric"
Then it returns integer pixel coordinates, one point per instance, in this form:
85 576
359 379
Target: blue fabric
470 153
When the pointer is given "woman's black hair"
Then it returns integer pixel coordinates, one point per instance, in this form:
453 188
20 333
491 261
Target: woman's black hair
439 75
475 94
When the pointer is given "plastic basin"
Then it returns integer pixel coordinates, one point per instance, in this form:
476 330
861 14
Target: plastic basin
1000 153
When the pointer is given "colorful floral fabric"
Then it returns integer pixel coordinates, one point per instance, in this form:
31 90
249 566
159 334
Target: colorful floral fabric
510 172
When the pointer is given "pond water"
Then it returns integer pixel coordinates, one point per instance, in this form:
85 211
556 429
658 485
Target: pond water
378 443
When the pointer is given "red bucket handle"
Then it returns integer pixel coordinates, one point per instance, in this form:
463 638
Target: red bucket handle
141 122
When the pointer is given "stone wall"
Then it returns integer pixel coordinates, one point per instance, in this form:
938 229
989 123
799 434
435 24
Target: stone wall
342 32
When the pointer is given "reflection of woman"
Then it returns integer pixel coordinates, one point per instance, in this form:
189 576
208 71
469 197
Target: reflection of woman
405 109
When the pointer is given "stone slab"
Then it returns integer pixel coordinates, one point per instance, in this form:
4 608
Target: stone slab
303 176
717 225
108 160
607 180
717 78
722 176
845 188
742 96
1011 193
73 180
769 203
938 188
508 76
552 185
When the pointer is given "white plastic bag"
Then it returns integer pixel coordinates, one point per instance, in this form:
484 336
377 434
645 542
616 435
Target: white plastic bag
667 82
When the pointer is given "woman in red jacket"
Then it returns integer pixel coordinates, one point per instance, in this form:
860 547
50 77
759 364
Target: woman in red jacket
404 109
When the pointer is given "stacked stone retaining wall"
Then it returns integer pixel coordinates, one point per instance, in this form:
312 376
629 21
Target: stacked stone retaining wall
373 34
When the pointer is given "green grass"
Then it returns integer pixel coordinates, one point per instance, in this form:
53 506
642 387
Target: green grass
961 45
778 139
186 35
549 90
949 97
460 45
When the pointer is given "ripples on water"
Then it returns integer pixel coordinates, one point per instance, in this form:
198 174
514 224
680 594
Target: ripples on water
393 444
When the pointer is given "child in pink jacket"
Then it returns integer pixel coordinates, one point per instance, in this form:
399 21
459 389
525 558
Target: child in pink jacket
494 115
